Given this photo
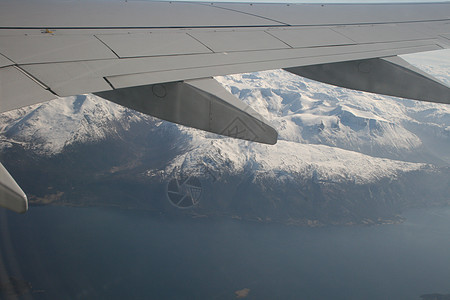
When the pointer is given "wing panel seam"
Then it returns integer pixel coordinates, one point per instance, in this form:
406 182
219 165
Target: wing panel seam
35 80
109 82
245 13
343 35
190 35
106 45
274 60
279 39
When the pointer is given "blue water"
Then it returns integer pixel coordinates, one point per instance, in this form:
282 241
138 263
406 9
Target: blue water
96 253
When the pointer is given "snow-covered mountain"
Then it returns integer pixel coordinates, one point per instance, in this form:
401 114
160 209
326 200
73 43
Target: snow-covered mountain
327 135
305 111
47 128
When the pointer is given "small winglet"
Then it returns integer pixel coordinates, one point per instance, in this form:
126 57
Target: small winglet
11 195
391 76
201 103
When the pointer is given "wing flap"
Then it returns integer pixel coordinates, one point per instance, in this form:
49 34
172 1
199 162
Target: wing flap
17 89
71 78
310 37
380 33
152 44
239 40
46 47
129 80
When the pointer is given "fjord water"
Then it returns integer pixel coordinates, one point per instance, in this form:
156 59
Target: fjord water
96 253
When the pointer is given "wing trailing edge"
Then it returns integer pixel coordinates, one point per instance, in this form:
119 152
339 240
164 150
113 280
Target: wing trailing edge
202 103
390 76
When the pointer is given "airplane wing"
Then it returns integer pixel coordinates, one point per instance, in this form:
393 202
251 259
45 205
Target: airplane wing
159 57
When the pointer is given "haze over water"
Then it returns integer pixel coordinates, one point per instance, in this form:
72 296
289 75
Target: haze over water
93 253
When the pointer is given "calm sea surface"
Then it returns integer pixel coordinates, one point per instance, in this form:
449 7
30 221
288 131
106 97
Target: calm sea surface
95 253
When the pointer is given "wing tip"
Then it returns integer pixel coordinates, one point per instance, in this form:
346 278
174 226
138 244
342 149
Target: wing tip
11 195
